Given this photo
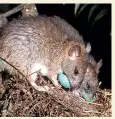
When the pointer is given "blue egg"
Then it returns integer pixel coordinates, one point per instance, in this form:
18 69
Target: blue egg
63 80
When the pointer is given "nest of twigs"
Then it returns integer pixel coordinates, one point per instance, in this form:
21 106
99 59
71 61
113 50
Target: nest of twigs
18 98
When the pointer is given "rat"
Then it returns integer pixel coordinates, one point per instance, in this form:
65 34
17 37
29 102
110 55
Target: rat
90 83
42 44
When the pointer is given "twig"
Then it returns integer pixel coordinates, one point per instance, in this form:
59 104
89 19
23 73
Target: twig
14 68
104 92
35 106
3 16
92 111
14 10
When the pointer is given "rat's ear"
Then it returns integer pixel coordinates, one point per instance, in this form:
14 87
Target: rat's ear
92 60
88 47
99 65
74 52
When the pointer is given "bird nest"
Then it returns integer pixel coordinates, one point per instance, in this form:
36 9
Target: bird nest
18 98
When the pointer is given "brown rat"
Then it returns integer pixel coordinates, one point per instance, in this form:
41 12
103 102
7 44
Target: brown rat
90 83
43 44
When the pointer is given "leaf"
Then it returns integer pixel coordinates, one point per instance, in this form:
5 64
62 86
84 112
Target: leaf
82 8
99 16
76 8
92 11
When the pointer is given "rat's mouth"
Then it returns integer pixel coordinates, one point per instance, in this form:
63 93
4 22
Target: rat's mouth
86 97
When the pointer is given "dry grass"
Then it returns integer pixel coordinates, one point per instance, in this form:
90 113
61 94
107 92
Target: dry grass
18 98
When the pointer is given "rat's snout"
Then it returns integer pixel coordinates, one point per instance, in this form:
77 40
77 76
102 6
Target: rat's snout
88 96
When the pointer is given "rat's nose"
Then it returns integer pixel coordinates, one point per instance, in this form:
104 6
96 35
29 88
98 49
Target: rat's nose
91 96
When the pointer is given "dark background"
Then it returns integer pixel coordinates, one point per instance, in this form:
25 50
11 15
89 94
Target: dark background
98 35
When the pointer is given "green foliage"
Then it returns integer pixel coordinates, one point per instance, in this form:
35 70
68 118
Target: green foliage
81 9
100 15
96 12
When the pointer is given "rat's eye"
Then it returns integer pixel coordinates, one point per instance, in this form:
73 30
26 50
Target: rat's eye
75 72
87 86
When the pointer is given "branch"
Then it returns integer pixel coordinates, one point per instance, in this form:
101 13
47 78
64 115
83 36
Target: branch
3 17
14 10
